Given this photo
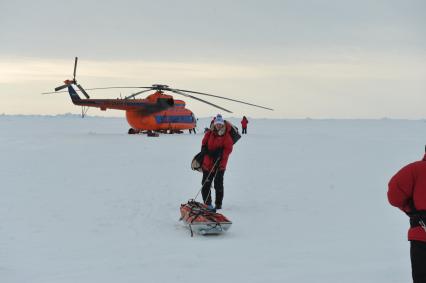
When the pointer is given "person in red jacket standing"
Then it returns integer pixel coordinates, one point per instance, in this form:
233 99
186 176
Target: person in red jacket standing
407 191
216 146
244 123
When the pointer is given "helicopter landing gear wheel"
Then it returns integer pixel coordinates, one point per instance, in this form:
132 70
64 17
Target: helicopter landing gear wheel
132 131
152 134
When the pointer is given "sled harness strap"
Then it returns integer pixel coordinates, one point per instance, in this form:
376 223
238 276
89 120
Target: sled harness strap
417 217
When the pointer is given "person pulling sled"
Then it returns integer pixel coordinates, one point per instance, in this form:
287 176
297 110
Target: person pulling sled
216 147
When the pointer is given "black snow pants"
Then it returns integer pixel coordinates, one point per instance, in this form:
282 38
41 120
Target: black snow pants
418 261
218 186
244 130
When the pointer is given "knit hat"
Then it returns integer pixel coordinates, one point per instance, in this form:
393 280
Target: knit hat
218 120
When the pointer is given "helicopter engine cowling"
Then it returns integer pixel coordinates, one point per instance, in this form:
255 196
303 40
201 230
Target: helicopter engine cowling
165 102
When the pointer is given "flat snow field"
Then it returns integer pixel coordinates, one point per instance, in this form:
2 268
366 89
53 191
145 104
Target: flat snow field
82 201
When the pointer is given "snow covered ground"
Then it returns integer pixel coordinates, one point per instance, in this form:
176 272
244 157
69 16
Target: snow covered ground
82 201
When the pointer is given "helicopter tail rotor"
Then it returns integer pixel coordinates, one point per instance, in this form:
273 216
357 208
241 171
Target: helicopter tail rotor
75 69
71 82
59 88
83 91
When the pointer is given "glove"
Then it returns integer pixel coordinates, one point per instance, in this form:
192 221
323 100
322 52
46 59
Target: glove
217 153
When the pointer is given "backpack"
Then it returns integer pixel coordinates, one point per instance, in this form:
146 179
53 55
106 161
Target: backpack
235 135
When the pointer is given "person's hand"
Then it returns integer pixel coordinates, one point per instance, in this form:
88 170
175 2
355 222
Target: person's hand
217 153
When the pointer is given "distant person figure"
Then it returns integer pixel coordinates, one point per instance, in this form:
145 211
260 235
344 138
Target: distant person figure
407 191
244 123
195 121
216 146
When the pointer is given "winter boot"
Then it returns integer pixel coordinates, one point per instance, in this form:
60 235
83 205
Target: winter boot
211 208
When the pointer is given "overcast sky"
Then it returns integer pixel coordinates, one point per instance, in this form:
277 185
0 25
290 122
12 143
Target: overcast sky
319 59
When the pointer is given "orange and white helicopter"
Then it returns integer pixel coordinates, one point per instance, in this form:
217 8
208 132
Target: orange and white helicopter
158 112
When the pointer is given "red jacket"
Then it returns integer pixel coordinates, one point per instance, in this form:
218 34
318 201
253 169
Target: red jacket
244 123
409 184
214 142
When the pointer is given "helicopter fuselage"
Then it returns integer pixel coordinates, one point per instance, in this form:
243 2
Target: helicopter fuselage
157 112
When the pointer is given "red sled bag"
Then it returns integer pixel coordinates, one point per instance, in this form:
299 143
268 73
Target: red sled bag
202 220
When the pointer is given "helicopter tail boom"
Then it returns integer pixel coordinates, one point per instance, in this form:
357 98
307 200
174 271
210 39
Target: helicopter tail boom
73 93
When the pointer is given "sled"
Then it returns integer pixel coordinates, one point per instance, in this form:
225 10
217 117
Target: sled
202 220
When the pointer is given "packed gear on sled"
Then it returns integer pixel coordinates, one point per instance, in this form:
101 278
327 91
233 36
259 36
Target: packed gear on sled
203 220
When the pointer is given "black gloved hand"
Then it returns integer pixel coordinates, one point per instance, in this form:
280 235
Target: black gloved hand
217 153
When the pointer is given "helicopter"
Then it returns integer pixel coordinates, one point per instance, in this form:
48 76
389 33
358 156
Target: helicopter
158 112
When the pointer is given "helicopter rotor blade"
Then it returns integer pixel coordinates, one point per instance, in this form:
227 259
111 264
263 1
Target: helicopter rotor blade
57 88
137 93
162 88
115 87
101 88
75 68
221 97
83 91
199 99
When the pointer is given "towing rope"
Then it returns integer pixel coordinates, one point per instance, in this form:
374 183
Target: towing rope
207 179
